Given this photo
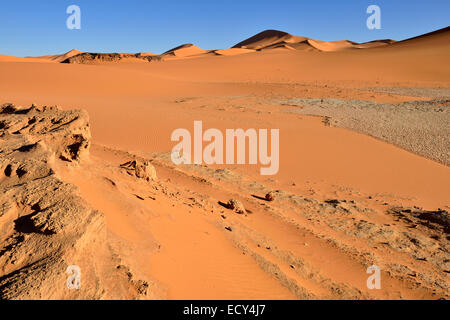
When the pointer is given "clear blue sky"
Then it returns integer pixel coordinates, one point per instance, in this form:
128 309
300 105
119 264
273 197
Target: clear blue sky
38 27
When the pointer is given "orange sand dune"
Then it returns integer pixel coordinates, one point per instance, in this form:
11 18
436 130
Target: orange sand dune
185 50
231 51
61 57
331 45
273 39
146 54
433 39
4 58
284 45
268 38
374 44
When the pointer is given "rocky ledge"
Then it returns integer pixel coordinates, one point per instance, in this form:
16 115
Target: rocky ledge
45 225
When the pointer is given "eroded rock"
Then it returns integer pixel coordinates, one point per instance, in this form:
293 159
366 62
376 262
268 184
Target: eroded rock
141 169
66 133
236 206
270 196
45 225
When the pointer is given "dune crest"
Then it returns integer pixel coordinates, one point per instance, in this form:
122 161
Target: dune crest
60 57
268 38
274 39
183 51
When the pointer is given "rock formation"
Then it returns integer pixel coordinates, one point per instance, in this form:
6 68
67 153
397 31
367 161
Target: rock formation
45 225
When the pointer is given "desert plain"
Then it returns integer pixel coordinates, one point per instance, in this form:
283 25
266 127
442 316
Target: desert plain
86 176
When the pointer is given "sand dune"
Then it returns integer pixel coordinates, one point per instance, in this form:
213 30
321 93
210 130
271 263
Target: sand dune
109 58
268 38
429 41
231 51
280 46
436 37
331 45
61 57
4 58
374 44
272 39
183 51
146 54
47 58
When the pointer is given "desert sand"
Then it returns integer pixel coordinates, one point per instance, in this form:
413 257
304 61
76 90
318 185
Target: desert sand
363 179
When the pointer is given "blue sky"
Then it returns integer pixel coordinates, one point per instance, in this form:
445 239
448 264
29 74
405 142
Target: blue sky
38 27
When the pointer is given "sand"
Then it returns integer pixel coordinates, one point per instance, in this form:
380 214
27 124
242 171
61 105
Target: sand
418 126
173 233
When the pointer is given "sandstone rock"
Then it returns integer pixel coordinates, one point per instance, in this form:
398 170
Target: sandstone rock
45 225
146 171
65 133
141 169
236 206
270 196
90 58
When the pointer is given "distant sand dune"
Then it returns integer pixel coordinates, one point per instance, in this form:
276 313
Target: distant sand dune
439 37
331 45
4 58
184 50
232 51
61 57
271 39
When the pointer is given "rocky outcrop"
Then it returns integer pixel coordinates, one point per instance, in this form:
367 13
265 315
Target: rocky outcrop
87 57
66 134
45 225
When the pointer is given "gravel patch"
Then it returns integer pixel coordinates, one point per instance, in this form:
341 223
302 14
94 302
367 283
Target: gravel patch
436 93
422 127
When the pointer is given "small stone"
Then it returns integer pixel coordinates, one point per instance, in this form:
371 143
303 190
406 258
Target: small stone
270 196
236 206
141 169
142 287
